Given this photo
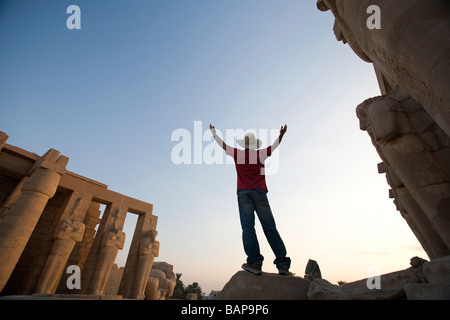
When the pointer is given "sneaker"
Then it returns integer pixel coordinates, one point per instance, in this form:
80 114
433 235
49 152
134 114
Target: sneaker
254 268
285 273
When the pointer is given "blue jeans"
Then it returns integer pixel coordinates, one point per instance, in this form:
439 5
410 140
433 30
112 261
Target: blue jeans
251 200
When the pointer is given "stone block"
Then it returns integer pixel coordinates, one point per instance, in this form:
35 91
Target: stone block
443 158
420 120
321 289
405 145
322 6
438 270
381 167
391 286
392 178
442 137
268 286
387 124
419 170
312 270
427 291
430 140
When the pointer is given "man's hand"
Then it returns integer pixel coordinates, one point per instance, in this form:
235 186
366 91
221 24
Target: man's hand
277 141
213 130
283 130
218 140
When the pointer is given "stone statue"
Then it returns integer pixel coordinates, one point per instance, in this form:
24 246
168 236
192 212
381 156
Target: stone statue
409 53
152 289
66 234
416 153
410 123
148 250
161 282
112 241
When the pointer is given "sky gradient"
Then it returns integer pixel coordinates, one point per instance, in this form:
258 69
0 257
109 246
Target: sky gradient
110 96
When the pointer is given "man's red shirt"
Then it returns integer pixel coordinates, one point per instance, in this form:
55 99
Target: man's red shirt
250 167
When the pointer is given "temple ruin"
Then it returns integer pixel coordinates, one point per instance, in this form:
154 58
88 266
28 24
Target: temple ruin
409 124
48 217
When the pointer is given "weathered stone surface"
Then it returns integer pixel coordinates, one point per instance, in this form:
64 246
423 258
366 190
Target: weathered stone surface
268 286
427 291
410 123
312 270
152 289
321 289
165 284
421 70
438 270
418 179
391 286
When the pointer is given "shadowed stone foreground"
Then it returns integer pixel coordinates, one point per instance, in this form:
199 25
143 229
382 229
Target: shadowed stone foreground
422 281
268 286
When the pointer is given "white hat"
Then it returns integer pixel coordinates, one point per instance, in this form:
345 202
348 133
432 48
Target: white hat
249 142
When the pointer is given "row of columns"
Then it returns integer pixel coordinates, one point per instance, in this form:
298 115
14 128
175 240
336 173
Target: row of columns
19 221
26 205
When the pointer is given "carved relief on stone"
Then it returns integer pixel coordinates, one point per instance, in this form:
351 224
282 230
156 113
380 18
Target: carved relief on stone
69 228
113 238
149 245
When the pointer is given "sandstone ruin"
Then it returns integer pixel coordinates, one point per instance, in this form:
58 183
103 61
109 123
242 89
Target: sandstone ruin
161 282
48 217
409 124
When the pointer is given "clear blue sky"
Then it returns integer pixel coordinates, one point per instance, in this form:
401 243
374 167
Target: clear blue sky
109 96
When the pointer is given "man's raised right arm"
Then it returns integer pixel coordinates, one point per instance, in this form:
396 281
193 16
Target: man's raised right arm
217 138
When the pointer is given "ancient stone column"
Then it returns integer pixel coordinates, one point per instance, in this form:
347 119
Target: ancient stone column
137 262
111 242
148 250
91 221
410 145
410 49
19 222
67 233
70 230
421 226
414 215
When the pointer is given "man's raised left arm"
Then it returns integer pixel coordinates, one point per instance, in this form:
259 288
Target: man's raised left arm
278 140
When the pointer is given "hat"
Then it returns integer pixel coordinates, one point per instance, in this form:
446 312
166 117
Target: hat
249 142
